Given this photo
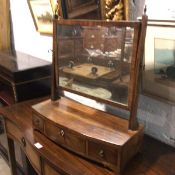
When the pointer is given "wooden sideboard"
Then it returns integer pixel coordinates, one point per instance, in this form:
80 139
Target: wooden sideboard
51 159
48 160
22 77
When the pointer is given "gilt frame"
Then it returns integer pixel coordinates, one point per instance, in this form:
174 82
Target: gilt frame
42 13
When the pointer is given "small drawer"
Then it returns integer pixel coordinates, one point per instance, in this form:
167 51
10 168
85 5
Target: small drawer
13 130
75 143
55 133
38 123
102 153
65 138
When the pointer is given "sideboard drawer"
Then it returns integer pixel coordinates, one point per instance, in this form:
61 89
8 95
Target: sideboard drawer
102 153
65 138
13 130
33 157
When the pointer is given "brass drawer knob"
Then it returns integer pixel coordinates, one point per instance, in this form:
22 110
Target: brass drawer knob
62 133
101 153
23 141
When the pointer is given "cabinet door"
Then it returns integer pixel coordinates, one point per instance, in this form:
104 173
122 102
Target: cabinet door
3 138
19 154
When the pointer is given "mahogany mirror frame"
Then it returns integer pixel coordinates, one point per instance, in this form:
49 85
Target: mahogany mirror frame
137 53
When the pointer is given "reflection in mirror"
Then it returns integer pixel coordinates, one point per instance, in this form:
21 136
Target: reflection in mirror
78 9
95 60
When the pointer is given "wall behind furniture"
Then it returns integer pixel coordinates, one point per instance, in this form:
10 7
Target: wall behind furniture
158 117
26 38
161 9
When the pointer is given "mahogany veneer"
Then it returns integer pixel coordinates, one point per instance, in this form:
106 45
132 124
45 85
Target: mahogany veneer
50 159
90 133
156 158
93 134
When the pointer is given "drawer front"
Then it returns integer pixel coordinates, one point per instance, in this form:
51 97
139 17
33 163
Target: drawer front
75 142
13 130
102 153
55 133
33 157
31 154
48 170
65 138
38 123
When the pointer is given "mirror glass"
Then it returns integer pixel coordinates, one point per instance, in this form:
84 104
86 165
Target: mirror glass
95 60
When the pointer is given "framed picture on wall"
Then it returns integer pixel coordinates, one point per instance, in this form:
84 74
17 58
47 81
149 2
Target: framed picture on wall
42 13
158 76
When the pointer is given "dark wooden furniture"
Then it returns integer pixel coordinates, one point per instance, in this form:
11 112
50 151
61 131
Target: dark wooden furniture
96 135
156 157
93 134
23 77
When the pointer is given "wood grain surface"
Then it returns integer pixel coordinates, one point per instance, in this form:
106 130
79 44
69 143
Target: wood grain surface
156 158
